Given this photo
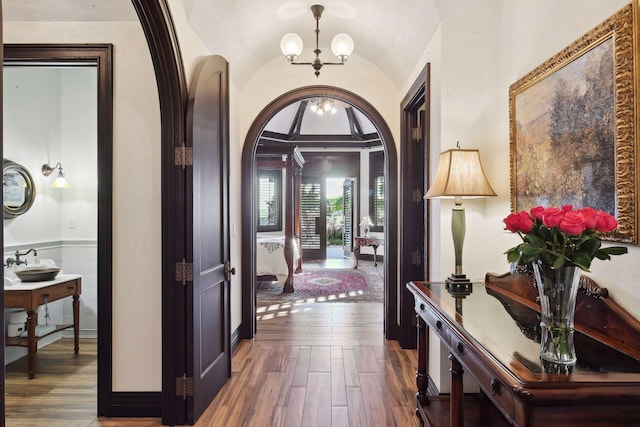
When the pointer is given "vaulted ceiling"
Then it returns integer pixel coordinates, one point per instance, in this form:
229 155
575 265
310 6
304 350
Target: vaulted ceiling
389 34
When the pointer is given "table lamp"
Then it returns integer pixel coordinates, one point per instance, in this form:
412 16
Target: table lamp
459 175
366 225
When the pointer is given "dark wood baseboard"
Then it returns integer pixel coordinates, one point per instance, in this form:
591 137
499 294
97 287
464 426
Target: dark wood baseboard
136 404
235 340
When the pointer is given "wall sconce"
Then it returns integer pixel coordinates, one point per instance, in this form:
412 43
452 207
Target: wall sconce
459 175
61 180
341 45
366 225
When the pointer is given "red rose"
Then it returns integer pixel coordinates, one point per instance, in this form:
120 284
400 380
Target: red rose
519 221
572 224
551 217
537 212
590 217
606 223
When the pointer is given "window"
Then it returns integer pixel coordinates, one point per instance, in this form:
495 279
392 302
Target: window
376 190
269 200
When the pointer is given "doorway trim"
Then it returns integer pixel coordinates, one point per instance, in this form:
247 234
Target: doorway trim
248 326
414 212
101 56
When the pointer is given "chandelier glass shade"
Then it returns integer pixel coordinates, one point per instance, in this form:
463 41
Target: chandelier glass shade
291 45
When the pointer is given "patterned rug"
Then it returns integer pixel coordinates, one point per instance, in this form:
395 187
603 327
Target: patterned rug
326 285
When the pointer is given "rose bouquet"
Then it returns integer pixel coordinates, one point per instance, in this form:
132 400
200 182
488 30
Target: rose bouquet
559 237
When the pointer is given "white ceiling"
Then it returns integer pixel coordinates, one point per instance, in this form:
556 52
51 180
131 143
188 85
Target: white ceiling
391 34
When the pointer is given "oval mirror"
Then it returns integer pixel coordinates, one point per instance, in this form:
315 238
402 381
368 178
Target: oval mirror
19 190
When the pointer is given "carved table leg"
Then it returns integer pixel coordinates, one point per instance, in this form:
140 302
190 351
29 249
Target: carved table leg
32 322
76 324
356 252
375 253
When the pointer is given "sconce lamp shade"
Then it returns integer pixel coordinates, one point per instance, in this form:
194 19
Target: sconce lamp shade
61 180
342 46
460 174
291 46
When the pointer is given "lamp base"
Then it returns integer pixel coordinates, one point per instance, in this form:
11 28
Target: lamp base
458 285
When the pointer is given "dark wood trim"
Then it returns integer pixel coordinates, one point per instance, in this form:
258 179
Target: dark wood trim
2 326
352 141
157 24
136 404
248 326
414 225
100 55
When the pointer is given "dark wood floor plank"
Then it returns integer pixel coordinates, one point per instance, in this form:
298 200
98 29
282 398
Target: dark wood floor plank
295 408
352 378
338 383
357 413
317 401
302 368
320 359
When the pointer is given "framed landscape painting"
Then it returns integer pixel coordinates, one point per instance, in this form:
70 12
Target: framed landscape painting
573 127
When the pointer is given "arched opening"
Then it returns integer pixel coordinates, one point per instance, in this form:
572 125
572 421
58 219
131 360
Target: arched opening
248 327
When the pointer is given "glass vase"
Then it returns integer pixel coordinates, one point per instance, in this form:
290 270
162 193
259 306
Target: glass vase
557 290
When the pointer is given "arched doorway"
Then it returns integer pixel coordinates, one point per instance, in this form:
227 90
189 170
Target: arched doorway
248 327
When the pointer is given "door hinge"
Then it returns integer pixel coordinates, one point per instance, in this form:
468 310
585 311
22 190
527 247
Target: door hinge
184 156
416 257
184 272
416 133
416 195
184 386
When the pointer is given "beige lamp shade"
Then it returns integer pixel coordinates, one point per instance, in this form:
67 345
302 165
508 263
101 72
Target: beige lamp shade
460 174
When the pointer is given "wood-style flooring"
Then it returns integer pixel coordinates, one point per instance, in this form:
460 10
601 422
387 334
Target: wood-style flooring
322 364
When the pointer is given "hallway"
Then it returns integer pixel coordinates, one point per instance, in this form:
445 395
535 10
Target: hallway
322 364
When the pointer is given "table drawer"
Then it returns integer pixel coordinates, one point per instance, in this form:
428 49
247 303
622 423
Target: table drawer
53 293
488 381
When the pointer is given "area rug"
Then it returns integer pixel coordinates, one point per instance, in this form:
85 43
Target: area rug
326 285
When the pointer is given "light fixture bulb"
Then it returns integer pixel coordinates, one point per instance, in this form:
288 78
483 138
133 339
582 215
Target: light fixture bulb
327 106
60 181
342 46
314 107
291 46
320 111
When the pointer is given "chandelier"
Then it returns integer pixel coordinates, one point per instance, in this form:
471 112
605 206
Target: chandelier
320 106
341 45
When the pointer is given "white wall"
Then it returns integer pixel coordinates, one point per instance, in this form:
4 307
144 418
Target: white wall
137 355
481 49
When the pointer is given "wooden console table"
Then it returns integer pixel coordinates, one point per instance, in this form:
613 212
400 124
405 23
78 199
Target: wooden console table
31 295
374 242
492 336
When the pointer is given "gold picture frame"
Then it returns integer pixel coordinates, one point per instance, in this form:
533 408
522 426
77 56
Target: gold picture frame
573 124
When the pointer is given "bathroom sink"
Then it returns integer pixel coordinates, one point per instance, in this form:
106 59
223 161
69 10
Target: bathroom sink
38 274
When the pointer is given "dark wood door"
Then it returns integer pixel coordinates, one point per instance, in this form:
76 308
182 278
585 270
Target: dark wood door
208 320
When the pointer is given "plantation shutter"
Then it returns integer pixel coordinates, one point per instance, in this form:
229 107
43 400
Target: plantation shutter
376 190
270 200
347 214
309 214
